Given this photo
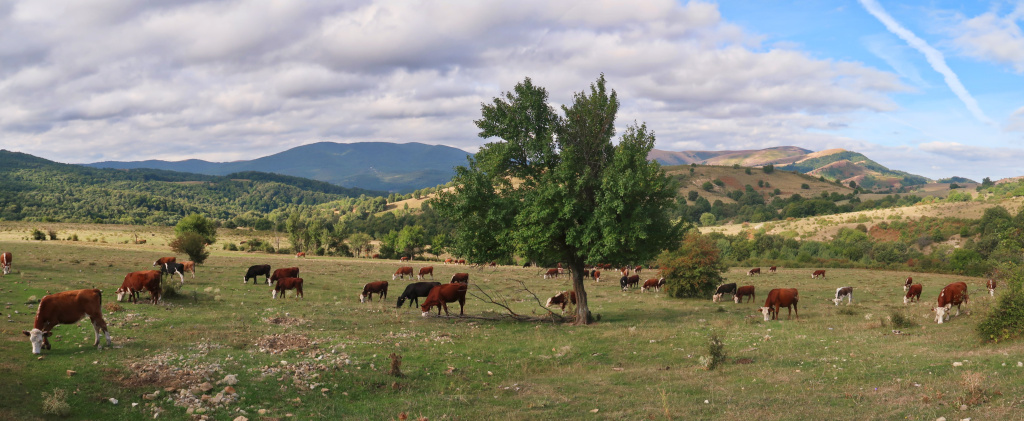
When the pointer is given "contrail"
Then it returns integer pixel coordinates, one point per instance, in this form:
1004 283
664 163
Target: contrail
934 57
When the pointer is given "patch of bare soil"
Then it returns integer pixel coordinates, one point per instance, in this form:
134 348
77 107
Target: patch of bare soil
157 371
276 344
286 321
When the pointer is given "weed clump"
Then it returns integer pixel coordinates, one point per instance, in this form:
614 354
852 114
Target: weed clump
113 307
846 311
56 404
716 353
1006 320
396 365
900 320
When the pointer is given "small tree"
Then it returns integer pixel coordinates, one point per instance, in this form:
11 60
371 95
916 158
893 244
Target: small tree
707 219
359 242
1006 320
692 195
411 240
768 169
197 224
694 269
805 186
853 184
707 186
192 244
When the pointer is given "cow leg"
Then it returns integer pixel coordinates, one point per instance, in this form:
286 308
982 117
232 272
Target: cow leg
462 305
98 324
796 311
182 278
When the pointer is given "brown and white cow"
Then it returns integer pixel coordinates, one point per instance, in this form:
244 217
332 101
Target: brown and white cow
906 285
754 271
424 271
440 296
460 278
401 272
991 285
778 298
460 262
165 260
562 299
817 273
772 269
190 267
744 291
953 294
5 262
285 284
637 270
284 273
913 292
380 288
136 282
300 254
596 274
723 289
653 283
404 258
551 273
65 308
449 261
843 292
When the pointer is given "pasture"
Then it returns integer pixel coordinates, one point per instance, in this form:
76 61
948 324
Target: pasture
327 356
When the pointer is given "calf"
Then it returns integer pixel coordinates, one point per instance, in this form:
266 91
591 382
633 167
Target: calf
161 261
551 273
136 282
744 291
284 284
380 288
460 278
913 292
401 272
817 273
562 299
653 283
754 271
5 262
440 296
778 298
906 285
772 269
414 291
66 308
424 271
991 285
843 292
190 267
257 270
952 295
175 268
723 289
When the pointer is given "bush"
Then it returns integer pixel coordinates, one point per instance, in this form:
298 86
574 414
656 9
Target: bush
805 186
197 224
1006 320
768 169
57 403
716 353
718 182
694 269
38 235
707 186
692 195
74 237
707 219
747 171
52 234
899 320
192 244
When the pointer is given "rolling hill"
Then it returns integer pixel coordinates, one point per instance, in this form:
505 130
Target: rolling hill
371 165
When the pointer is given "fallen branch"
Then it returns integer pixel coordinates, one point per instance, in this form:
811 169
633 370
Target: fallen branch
503 302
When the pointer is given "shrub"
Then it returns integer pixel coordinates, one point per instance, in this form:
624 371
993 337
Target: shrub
900 320
38 235
768 169
694 269
192 244
747 171
1006 320
707 186
716 353
197 224
805 186
692 195
74 237
707 219
52 234
57 403
718 182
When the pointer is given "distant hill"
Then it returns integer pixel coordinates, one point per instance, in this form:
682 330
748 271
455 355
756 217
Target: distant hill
955 179
746 158
399 167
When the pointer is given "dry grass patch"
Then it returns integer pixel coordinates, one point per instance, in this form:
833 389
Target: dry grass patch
276 344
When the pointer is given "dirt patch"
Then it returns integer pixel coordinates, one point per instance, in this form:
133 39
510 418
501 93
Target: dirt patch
743 361
159 373
276 344
286 321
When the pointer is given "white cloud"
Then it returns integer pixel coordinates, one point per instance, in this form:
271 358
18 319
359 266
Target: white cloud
1016 121
992 37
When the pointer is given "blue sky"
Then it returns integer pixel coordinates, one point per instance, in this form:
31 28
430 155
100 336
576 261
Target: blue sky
932 87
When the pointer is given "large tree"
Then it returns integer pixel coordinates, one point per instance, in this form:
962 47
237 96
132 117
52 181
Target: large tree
557 189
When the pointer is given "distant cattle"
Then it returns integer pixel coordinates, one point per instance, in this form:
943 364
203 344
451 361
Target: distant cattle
136 282
175 269
624 270
596 274
375 256
913 292
190 267
527 264
404 258
991 285
723 289
551 273
754 271
626 282
65 308
460 262
285 284
653 283
778 298
163 260
284 273
953 294
300 254
424 271
441 295
562 299
638 269
5 262
493 264
401 272
817 273
140 241
906 285
772 269
448 261
380 288
843 292
744 291
256 270
414 291
460 278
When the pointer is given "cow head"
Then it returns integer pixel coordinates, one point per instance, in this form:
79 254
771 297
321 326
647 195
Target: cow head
362 297
38 339
837 300
736 298
548 304
426 314
401 300
767 312
273 294
941 313
906 300
121 292
394 276
716 298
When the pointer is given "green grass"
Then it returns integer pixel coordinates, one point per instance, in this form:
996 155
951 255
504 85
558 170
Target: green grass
641 361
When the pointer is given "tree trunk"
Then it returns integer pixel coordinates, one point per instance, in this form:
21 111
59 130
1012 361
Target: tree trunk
583 316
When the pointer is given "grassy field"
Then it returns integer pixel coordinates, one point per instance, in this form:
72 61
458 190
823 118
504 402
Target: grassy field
327 356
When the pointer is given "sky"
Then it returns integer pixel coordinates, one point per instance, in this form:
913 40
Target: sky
931 87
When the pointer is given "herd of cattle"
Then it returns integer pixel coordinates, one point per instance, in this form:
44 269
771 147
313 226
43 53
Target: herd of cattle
71 306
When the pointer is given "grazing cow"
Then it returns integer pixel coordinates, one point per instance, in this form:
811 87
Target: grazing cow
65 308
414 291
285 284
424 271
637 270
562 299
375 256
460 278
526 265
404 258
284 273
952 295
175 268
448 260
754 271
300 254
772 269
551 273
161 261
627 282
596 274
913 292
744 291
778 298
5 262
906 285
136 282
140 241
653 283
817 273
401 272
723 289
991 285
190 267
461 262
843 292
493 264
257 270
624 271
440 296
380 288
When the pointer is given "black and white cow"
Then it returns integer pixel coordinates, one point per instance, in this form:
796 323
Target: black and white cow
172 268
843 292
723 289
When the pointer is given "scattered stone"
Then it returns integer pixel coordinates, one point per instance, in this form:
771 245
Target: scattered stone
229 380
957 364
940 419
963 407
72 373
190 410
594 411
149 396
206 387
262 412
113 401
241 418
169 389
229 390
134 404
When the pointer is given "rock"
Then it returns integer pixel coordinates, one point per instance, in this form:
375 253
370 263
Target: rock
940 419
229 390
241 418
963 407
201 410
957 364
149 396
190 410
216 399
206 387
262 412
169 389
113 401
594 411
229 380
